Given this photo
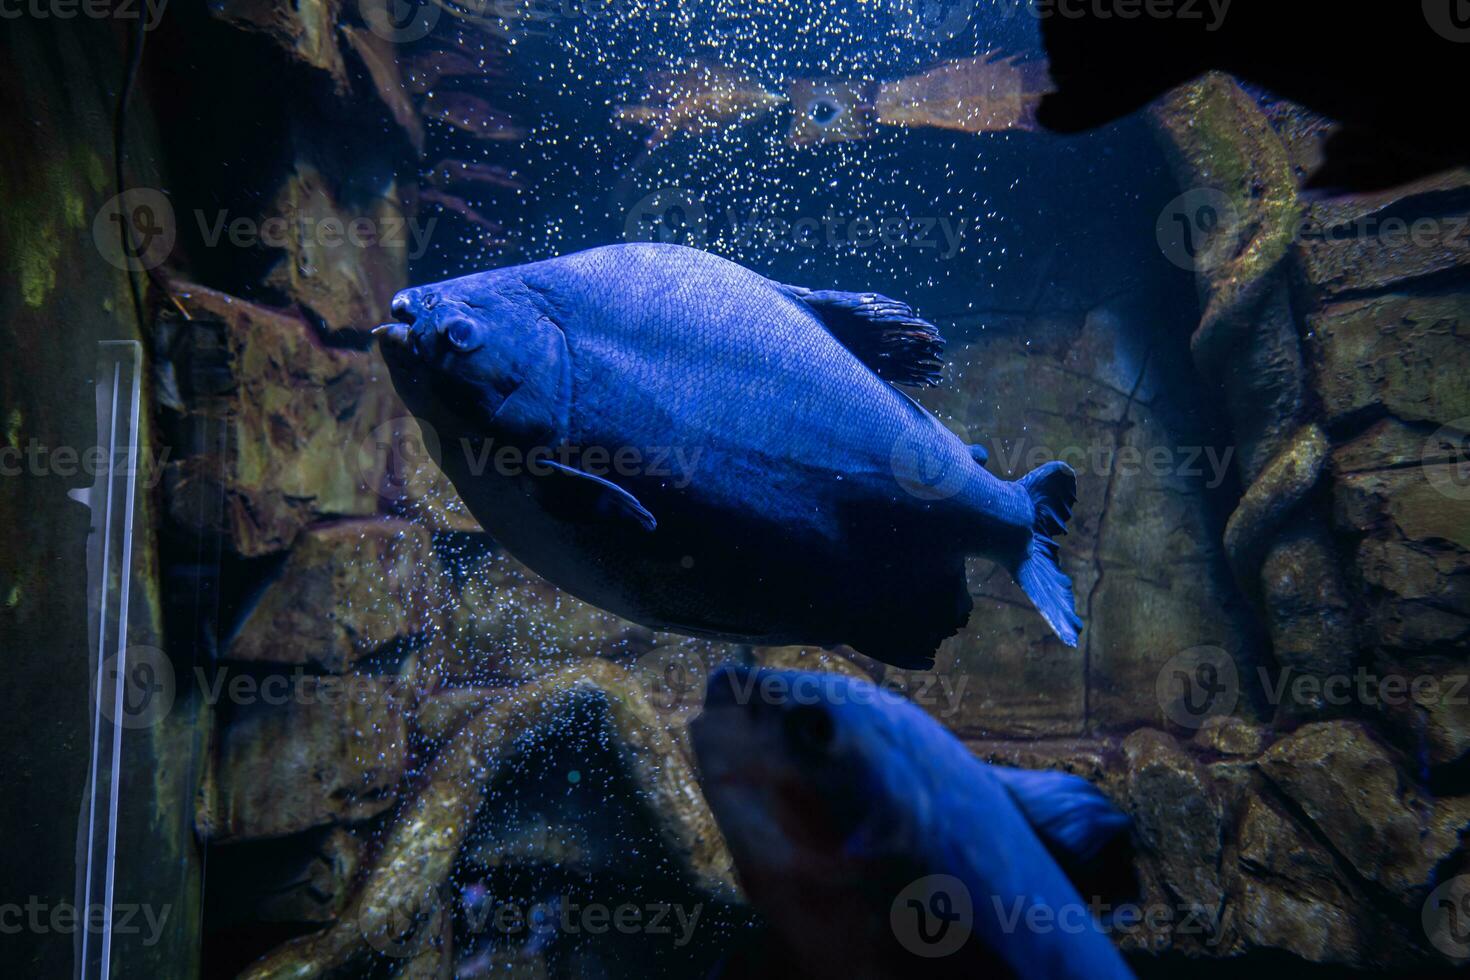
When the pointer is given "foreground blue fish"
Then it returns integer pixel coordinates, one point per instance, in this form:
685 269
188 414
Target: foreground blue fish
711 452
841 802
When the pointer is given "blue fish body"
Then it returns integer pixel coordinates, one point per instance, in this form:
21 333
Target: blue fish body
773 487
876 845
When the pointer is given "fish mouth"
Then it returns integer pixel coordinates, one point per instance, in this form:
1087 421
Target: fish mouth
399 335
396 336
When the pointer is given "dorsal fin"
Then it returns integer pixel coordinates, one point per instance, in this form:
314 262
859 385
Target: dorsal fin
886 335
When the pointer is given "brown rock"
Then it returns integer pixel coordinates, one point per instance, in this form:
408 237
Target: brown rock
1427 699
300 879
1413 554
1272 495
1292 894
836 661
287 426
1228 735
346 590
1178 821
1352 790
1097 762
1390 444
1307 608
308 30
343 261
334 752
1407 355
379 57
1348 252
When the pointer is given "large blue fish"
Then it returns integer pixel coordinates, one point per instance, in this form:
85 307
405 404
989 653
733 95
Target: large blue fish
707 451
877 846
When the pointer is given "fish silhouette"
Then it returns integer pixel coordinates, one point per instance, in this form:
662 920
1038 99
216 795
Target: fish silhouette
876 845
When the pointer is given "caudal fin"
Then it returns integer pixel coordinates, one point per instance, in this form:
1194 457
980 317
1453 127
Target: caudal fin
1053 490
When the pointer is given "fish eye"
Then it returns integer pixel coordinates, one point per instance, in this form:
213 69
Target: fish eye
824 111
809 728
431 300
461 333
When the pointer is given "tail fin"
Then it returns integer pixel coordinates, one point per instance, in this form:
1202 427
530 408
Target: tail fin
1053 489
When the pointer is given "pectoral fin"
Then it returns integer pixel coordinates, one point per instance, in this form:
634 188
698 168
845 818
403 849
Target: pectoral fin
581 497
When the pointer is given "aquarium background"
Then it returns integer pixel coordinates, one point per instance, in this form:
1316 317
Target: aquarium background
380 731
